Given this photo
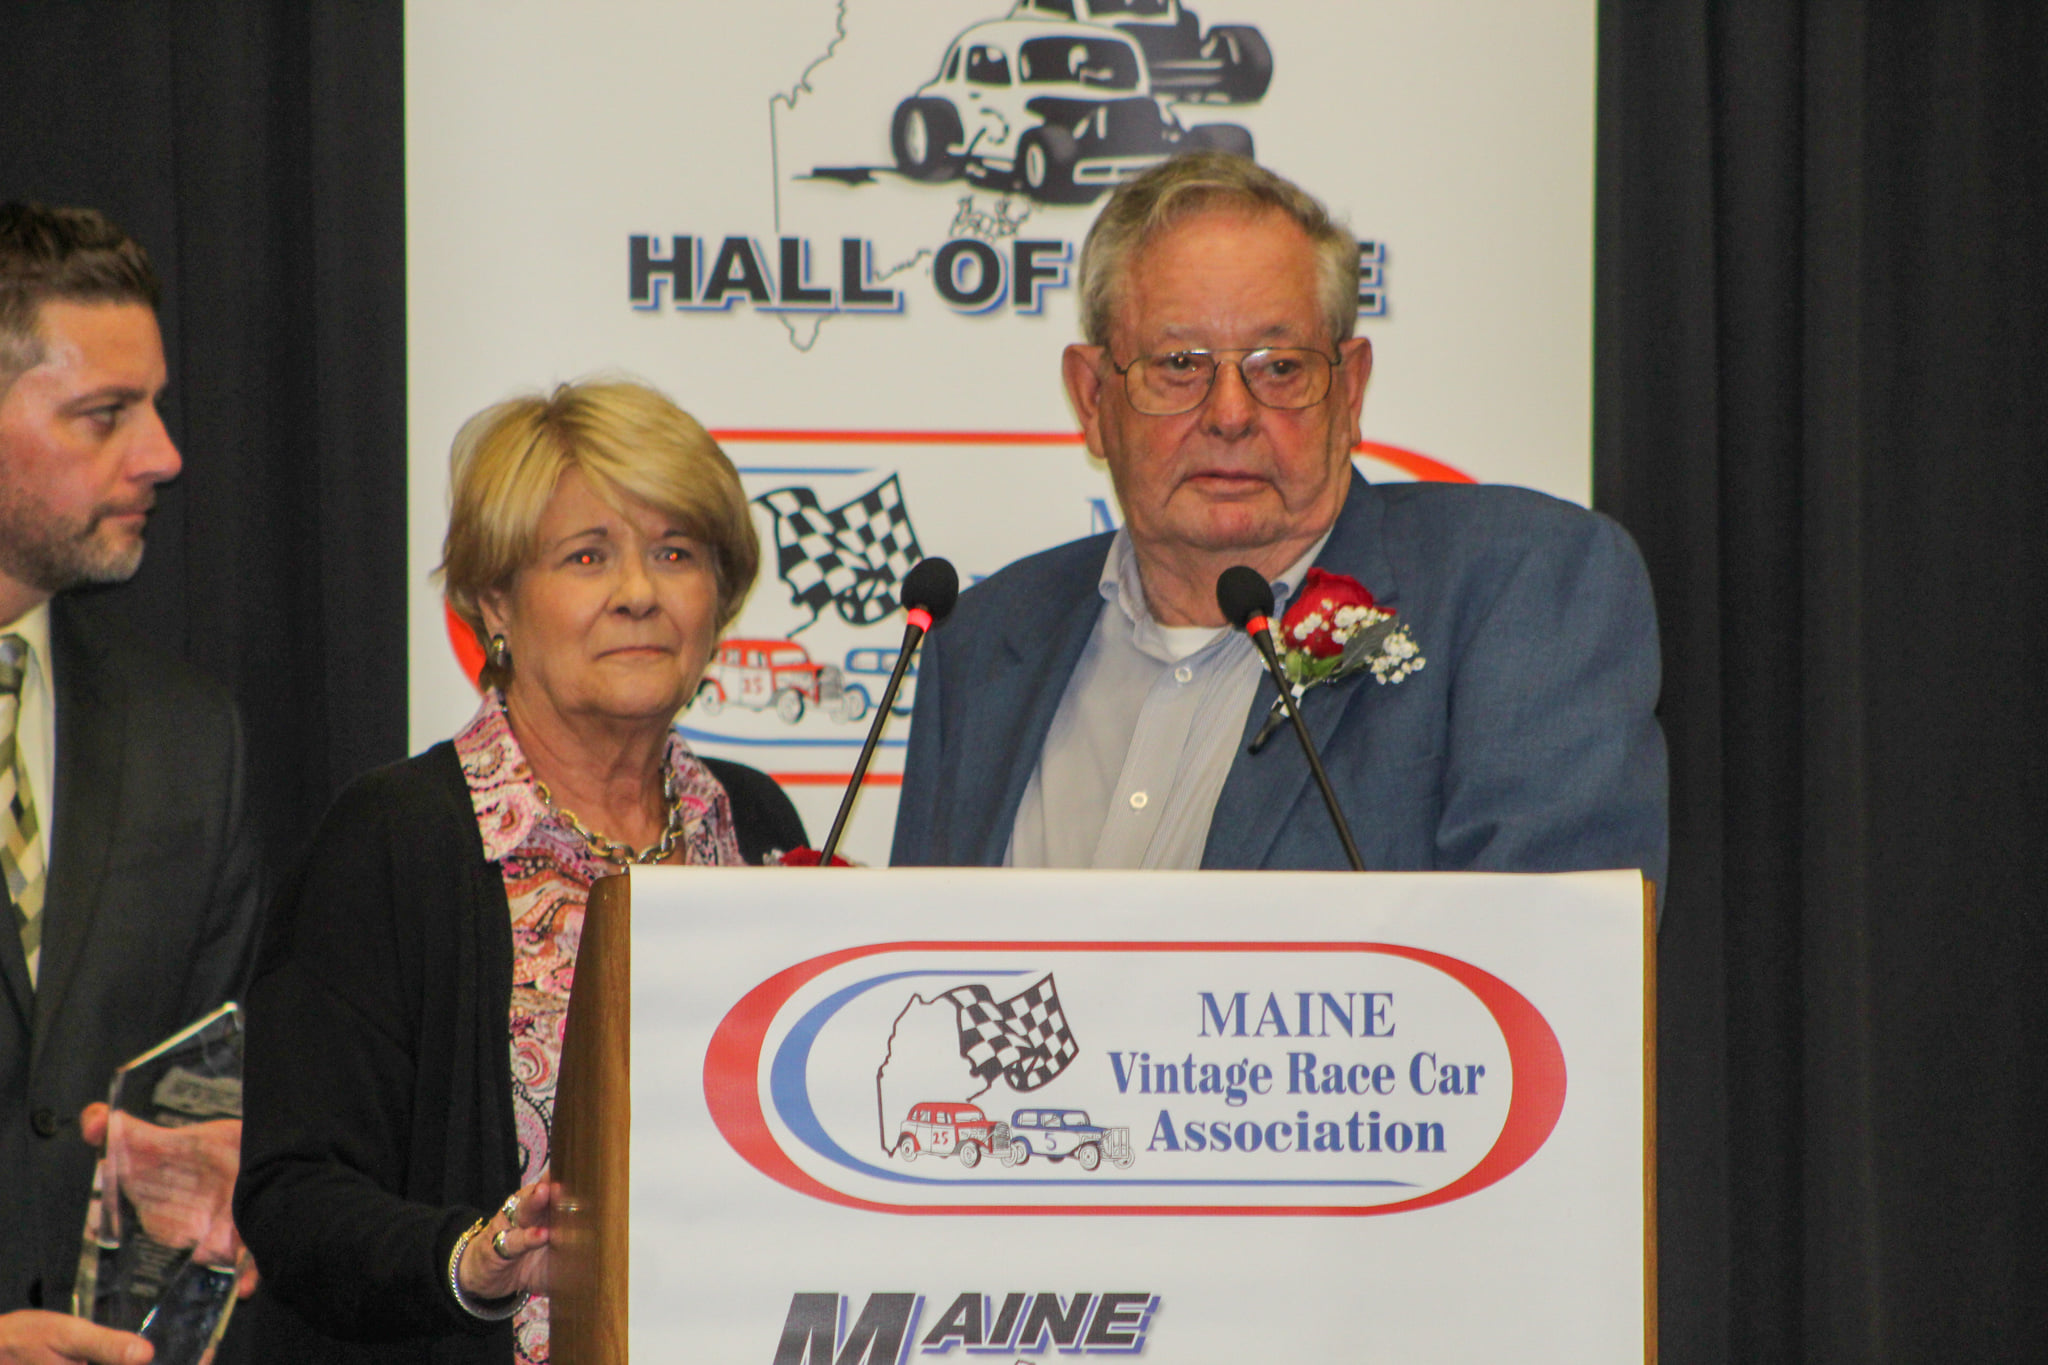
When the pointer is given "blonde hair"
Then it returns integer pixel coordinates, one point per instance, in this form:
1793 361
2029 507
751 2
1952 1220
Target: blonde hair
1202 182
628 441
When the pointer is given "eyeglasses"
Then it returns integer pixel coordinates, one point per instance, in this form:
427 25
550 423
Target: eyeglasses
1179 381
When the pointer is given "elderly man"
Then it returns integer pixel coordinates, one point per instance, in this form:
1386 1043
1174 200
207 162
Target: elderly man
1087 707
129 865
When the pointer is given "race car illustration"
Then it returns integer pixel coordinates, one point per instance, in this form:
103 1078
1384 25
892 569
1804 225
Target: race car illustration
1060 111
876 665
1230 64
940 1128
1057 1134
759 674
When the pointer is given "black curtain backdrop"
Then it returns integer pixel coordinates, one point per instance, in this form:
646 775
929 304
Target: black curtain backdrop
1822 317
257 151
1822 324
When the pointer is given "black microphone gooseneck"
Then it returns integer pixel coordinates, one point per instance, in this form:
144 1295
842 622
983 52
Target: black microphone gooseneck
1247 601
929 591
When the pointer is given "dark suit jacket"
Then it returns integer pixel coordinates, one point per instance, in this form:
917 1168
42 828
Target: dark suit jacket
150 916
1526 743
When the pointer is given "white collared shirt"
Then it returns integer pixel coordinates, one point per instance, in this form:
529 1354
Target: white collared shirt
1145 733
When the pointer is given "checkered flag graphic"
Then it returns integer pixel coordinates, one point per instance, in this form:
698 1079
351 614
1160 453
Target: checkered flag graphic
849 557
1024 1039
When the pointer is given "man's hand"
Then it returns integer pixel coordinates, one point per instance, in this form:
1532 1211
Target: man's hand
33 1337
180 1181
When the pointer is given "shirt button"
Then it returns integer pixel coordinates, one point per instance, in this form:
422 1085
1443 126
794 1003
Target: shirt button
1183 673
44 1121
1138 800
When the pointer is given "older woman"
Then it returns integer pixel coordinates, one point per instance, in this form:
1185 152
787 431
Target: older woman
406 1019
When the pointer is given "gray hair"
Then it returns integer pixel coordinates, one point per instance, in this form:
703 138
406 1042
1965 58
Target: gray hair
1199 182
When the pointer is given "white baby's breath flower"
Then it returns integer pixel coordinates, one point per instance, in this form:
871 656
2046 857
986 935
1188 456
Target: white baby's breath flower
1397 658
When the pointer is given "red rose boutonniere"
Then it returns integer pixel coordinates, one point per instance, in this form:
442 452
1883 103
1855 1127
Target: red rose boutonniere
1333 629
801 857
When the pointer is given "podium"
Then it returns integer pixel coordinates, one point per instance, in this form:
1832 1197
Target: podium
863 1117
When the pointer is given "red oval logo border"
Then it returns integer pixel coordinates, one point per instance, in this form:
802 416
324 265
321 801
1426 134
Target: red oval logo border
732 1068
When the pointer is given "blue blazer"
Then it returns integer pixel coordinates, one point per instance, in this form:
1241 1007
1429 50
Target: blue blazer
1528 742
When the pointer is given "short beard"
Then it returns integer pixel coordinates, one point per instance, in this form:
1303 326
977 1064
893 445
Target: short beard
55 558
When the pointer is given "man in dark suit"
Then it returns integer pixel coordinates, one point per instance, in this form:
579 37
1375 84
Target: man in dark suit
1087 707
130 870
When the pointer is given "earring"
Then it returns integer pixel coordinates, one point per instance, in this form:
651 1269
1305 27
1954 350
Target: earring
500 653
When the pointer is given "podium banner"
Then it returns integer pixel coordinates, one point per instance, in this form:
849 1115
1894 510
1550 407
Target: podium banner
897 1116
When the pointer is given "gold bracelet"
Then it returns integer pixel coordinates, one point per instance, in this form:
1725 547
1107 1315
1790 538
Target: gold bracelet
484 1310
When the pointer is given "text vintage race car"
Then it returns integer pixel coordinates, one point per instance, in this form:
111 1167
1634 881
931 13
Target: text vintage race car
1061 1133
1058 110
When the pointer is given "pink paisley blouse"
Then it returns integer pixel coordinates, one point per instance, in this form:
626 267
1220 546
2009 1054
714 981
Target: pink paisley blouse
548 871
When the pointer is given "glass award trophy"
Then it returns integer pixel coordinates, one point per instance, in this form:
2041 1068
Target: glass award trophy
160 1255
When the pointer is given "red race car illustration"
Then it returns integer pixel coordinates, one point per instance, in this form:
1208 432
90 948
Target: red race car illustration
759 674
945 1128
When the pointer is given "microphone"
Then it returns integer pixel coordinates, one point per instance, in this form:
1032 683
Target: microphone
1247 602
929 591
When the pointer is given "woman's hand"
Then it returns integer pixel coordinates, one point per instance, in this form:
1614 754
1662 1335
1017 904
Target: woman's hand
510 1256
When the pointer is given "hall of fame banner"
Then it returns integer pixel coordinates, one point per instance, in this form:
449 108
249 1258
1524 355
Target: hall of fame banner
884 1117
845 235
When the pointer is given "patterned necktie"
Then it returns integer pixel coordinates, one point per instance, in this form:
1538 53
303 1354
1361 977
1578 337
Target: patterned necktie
21 837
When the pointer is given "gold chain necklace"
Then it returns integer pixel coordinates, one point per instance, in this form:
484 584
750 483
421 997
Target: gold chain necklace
611 850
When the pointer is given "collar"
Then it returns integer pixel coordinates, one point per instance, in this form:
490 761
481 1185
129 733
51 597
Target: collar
1122 584
33 626
501 782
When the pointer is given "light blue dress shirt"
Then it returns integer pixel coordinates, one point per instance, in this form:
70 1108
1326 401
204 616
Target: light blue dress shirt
1144 736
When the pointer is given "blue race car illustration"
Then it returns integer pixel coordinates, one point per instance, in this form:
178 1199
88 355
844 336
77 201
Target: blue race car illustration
875 664
1057 1134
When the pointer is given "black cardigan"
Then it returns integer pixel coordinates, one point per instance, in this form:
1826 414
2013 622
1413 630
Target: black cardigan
378 1093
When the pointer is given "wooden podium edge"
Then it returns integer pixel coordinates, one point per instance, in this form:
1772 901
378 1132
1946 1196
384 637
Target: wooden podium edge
591 1154
1649 1121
